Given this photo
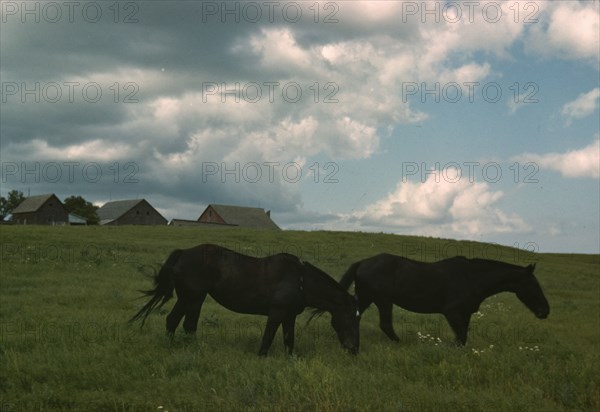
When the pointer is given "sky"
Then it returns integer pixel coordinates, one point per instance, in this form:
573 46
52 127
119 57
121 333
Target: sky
460 120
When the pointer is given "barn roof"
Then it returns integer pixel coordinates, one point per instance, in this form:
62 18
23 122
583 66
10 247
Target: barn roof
76 219
32 203
253 217
114 210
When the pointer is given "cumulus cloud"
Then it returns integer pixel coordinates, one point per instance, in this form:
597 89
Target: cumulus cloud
350 79
440 208
583 162
197 103
566 30
278 48
585 105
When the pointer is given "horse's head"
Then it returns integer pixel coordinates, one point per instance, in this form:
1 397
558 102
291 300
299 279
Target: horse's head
345 321
529 291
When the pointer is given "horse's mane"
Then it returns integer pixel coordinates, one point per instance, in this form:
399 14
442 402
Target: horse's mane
488 263
485 270
315 312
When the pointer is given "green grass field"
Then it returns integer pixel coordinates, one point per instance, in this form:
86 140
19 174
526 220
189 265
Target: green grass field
66 294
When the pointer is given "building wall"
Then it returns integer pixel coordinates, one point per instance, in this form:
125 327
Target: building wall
25 218
53 212
210 216
197 224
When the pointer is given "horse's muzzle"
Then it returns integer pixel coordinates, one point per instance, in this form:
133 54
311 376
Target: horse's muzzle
541 315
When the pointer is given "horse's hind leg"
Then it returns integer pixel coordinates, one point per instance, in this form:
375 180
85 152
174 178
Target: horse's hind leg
385 319
192 314
175 317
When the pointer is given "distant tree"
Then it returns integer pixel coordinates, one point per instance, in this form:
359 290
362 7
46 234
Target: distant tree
3 203
7 205
79 206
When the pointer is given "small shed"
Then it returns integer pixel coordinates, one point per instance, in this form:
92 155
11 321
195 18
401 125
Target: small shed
41 210
130 212
241 216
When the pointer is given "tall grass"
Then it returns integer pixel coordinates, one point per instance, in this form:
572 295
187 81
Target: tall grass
67 292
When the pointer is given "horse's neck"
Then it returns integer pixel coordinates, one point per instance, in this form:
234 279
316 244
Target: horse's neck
318 293
494 281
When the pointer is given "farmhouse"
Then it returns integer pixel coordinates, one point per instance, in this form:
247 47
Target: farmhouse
130 212
230 216
41 210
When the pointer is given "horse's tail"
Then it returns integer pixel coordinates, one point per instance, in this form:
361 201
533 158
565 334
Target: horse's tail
349 276
163 288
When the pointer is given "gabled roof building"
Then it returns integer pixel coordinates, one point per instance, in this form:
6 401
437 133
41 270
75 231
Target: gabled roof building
230 216
130 212
241 216
41 210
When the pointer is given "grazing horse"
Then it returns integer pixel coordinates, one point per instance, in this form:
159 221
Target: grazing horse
454 287
279 286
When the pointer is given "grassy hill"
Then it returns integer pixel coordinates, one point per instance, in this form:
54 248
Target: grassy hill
67 292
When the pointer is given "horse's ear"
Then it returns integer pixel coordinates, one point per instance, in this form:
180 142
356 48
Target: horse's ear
531 267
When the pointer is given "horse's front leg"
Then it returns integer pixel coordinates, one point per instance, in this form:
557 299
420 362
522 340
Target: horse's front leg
276 316
385 319
289 324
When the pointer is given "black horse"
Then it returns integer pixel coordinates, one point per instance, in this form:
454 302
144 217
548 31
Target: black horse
279 286
454 287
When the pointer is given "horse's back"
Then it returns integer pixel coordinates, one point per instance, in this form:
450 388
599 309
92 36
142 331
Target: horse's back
398 268
413 285
238 282
385 273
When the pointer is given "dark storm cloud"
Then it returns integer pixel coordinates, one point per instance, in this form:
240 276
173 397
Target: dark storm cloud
174 40
143 57
165 35
38 56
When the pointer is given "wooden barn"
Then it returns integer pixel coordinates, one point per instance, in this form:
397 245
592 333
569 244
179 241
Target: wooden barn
41 210
230 216
130 212
251 217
